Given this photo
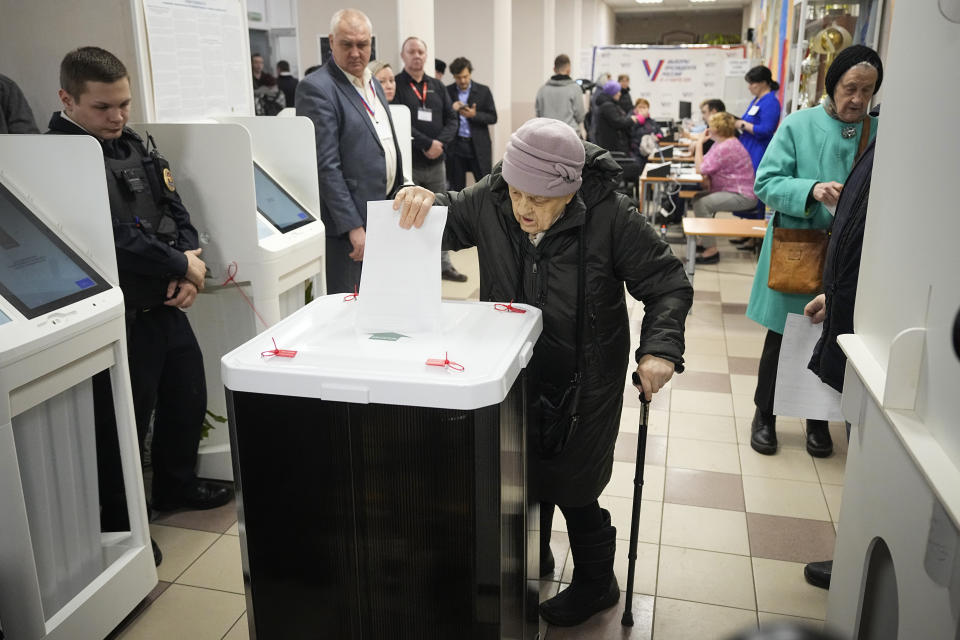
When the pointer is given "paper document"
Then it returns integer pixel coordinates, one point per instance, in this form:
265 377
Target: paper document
400 283
800 392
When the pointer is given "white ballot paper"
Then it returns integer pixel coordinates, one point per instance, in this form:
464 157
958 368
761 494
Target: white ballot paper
799 391
400 282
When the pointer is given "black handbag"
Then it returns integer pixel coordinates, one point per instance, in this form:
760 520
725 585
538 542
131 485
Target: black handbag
558 416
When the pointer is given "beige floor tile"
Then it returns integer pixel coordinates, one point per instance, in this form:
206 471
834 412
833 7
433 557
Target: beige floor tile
712 364
606 624
723 457
744 347
834 495
705 346
789 432
657 421
218 568
621 481
706 576
768 619
789 498
706 280
707 529
708 402
743 385
187 612
180 548
234 530
831 469
781 588
645 574
240 630
621 510
705 330
701 426
707 311
682 620
734 293
743 406
787 463
215 520
740 323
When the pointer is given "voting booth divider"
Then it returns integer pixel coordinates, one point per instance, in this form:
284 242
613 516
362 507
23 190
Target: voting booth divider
382 478
62 322
250 185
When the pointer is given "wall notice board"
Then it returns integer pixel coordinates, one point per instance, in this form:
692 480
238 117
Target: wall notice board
667 75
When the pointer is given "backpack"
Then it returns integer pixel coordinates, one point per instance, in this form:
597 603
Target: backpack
269 101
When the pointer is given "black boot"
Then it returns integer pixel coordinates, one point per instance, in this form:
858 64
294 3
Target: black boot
594 587
763 433
819 442
818 573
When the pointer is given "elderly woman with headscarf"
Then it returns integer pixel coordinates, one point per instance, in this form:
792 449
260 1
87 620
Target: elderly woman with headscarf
613 125
548 213
800 176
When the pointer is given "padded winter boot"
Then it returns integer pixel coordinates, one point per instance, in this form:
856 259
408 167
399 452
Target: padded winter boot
819 442
594 587
547 564
763 433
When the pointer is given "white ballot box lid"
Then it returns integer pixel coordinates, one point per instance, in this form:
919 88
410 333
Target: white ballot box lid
335 361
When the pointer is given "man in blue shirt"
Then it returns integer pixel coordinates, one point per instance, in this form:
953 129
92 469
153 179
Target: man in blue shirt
471 149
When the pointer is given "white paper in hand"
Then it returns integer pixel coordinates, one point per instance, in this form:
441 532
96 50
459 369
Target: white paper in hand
799 392
400 282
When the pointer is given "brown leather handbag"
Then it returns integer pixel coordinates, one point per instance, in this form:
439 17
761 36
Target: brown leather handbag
796 259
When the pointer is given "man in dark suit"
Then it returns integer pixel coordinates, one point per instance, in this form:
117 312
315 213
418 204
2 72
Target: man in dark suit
471 149
286 82
358 158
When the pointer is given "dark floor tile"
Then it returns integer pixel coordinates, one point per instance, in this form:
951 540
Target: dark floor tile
214 520
743 366
559 546
704 489
734 307
790 539
702 381
706 296
660 402
144 604
606 625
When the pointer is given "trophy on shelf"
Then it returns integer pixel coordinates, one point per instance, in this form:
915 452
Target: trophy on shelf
828 42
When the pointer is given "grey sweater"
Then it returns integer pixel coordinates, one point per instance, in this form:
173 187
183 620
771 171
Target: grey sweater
561 99
15 113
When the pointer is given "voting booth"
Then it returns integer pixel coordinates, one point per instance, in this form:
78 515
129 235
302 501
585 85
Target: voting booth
379 495
61 323
250 185
896 571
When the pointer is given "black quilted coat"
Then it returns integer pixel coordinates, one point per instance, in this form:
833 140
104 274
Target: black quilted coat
620 249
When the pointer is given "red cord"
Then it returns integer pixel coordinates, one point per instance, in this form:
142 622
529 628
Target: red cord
446 362
231 275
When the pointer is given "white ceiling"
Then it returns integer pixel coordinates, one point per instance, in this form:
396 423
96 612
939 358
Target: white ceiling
621 7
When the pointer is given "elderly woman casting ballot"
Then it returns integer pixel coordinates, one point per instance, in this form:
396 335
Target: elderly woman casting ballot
800 176
547 211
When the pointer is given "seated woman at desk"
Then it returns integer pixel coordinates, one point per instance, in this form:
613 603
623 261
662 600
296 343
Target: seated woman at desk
645 126
728 178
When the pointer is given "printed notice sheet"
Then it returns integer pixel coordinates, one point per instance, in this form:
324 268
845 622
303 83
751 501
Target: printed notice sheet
400 283
800 392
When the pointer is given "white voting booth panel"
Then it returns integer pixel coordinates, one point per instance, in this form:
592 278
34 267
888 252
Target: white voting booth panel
213 165
897 561
60 577
401 124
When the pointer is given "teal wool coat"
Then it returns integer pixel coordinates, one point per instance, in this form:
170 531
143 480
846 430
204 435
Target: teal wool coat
806 149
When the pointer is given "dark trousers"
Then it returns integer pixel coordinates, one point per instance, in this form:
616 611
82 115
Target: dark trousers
460 159
343 273
767 372
585 519
168 384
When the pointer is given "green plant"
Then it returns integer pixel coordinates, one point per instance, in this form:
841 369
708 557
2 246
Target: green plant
720 38
207 425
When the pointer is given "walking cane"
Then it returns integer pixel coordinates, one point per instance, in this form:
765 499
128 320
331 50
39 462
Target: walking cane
627 619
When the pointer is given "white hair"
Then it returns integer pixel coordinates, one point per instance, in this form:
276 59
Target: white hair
344 15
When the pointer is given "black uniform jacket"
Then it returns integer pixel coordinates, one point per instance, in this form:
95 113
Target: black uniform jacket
620 249
146 262
842 269
443 121
479 124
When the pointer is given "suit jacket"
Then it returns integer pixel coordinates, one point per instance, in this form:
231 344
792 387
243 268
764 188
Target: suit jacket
351 163
480 124
288 84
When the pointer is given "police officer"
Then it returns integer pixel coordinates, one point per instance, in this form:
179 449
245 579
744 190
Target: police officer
160 275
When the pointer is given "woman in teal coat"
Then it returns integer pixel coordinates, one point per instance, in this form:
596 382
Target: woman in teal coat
800 176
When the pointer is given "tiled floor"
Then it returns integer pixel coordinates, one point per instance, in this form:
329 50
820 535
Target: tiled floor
724 532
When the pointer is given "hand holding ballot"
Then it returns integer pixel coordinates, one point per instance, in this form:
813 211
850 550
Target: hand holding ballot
413 204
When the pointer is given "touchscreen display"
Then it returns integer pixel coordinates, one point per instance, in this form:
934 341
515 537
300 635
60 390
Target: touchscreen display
277 205
38 272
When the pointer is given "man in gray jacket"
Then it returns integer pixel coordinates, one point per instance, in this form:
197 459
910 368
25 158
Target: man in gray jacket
561 98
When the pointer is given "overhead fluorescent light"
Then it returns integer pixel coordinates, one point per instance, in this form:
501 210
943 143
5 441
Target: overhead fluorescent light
649 1
699 1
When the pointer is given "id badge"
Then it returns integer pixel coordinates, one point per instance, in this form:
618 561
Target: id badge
424 115
754 110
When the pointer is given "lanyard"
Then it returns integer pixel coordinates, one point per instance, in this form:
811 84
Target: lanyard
367 104
423 98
